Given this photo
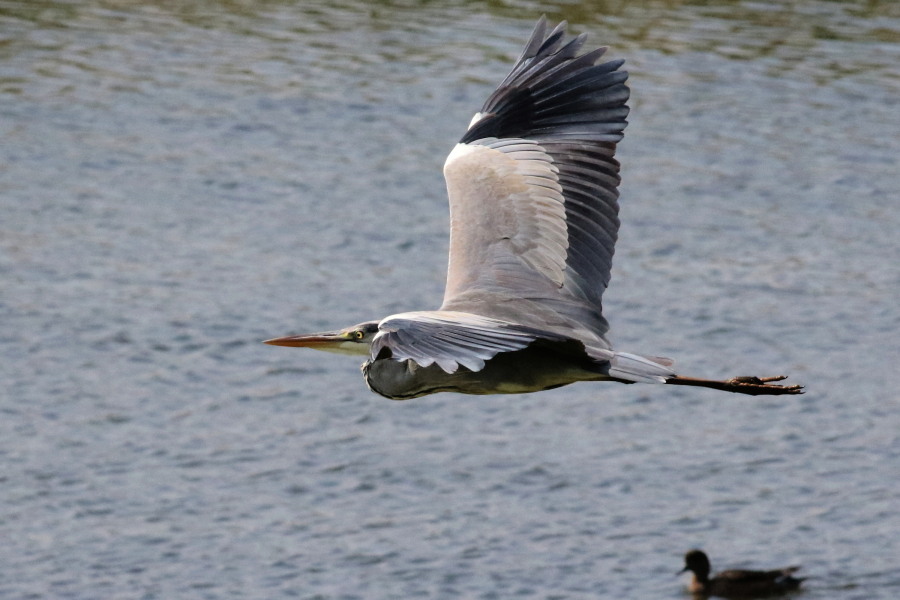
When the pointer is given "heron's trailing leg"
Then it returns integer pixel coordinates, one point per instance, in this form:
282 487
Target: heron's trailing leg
754 386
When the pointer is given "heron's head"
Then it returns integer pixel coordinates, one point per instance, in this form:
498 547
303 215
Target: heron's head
350 340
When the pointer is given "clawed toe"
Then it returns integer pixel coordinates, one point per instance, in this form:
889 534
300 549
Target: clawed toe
756 380
762 385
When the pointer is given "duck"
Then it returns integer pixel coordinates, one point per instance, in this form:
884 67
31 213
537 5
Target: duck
737 583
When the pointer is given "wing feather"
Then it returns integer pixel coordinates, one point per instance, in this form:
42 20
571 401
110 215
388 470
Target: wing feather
506 212
451 339
533 188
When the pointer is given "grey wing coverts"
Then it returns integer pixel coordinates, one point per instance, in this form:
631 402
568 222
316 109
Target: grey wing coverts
533 189
451 339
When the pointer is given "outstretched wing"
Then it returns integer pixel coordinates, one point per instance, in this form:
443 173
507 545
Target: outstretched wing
533 189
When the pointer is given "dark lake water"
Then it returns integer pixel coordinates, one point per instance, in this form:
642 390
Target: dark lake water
177 184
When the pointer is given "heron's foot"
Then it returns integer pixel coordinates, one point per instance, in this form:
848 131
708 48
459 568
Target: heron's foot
758 386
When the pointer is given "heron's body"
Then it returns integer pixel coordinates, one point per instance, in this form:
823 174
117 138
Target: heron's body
542 361
535 368
533 188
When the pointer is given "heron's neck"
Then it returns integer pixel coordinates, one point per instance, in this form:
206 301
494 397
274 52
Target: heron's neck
349 348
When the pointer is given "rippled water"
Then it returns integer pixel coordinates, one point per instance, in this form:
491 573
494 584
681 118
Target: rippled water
178 184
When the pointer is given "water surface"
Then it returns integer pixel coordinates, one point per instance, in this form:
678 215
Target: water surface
178 184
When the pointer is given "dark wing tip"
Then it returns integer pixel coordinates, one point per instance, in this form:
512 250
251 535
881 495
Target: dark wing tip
553 91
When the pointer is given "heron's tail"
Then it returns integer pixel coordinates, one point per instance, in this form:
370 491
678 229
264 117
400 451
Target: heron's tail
641 369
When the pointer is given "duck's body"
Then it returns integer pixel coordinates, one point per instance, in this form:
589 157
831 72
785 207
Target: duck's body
737 583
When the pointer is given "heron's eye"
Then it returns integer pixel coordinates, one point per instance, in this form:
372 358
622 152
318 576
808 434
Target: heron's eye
358 334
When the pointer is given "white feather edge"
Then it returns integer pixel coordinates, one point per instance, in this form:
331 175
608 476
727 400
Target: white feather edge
497 336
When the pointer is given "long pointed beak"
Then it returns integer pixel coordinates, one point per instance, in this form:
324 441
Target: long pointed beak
317 341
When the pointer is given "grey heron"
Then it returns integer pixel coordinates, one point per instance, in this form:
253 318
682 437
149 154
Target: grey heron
737 583
533 188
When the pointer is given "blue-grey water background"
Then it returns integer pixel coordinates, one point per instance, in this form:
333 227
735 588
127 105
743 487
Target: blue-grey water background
179 181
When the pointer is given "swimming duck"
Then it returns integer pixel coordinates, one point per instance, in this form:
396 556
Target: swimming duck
736 583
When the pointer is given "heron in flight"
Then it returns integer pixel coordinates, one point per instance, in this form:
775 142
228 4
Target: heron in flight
533 225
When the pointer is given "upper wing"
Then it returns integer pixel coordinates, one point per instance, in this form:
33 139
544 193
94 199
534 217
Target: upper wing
533 185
